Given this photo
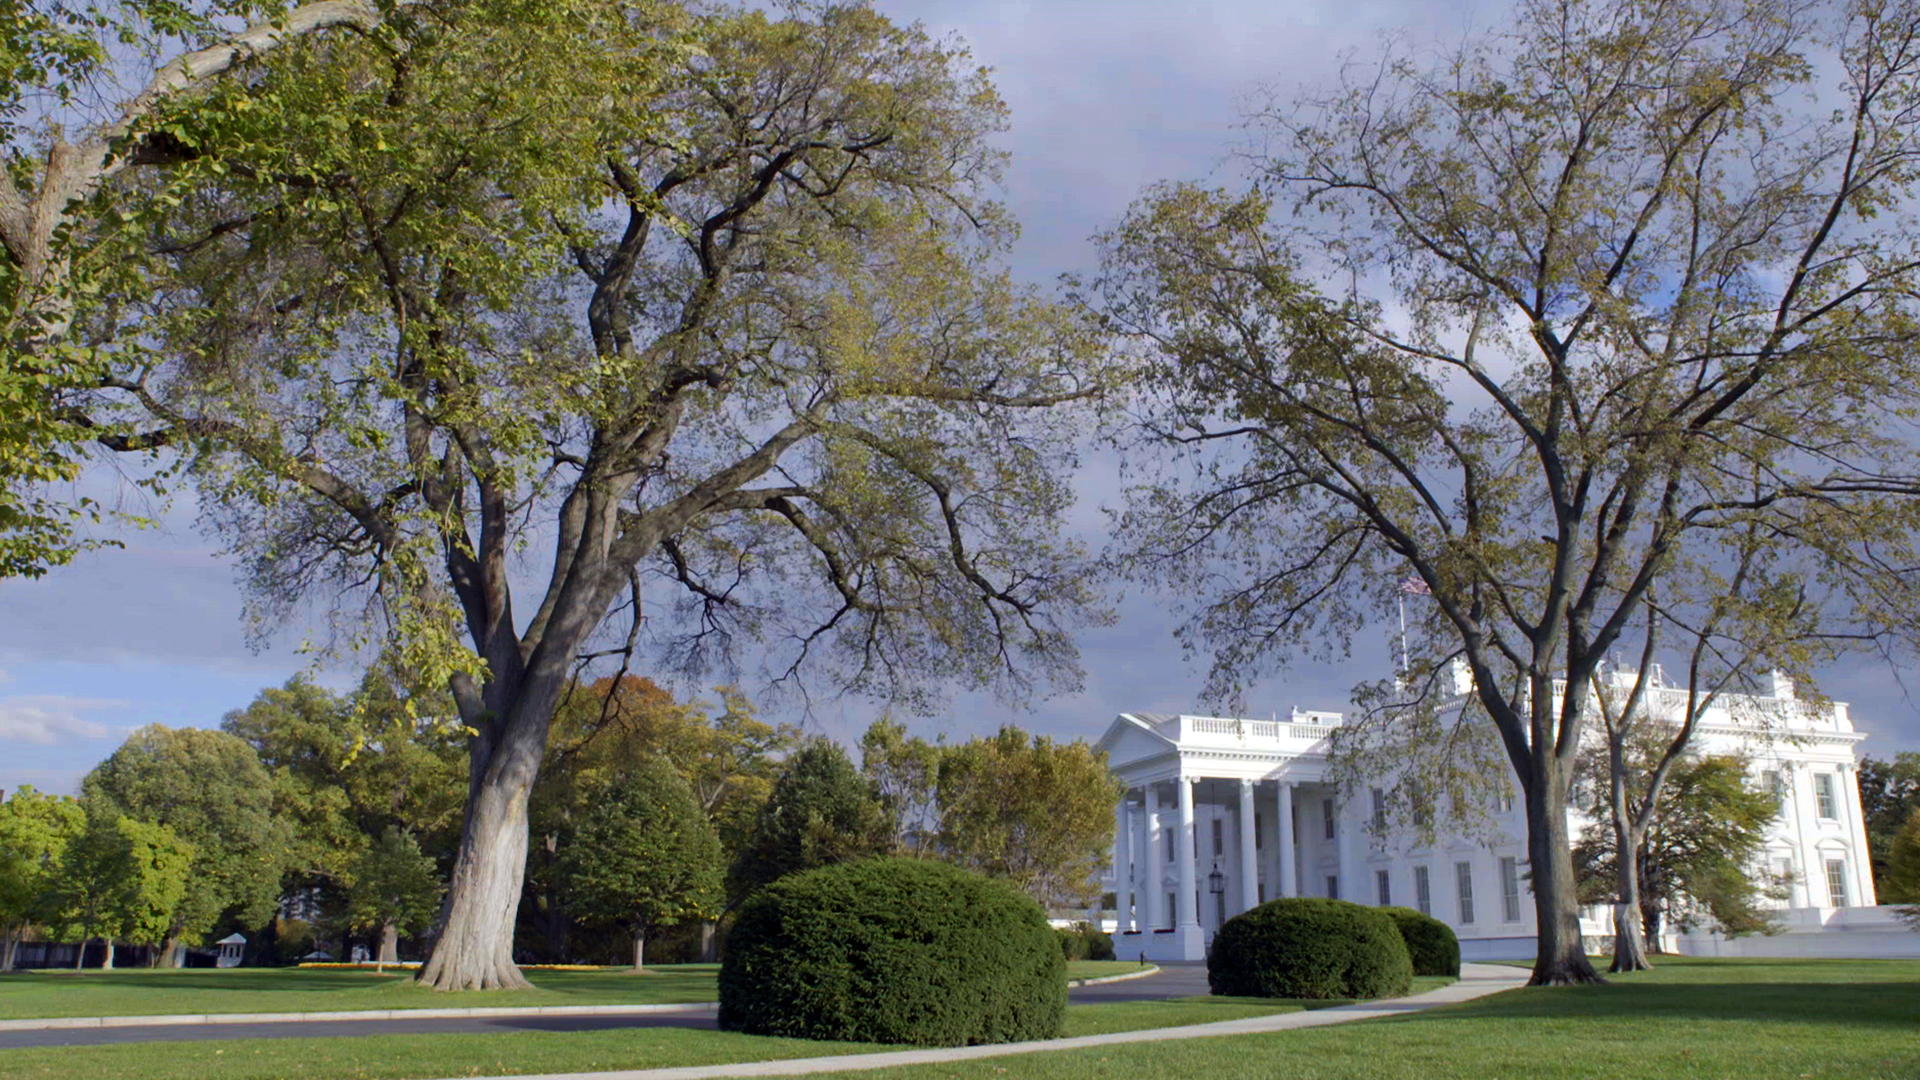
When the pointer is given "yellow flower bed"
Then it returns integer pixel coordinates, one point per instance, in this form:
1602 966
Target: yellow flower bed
367 965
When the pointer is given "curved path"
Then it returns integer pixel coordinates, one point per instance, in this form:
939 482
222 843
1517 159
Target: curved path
1476 980
1172 980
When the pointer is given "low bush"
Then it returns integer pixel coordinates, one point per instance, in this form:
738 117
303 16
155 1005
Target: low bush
1431 944
1309 948
893 951
1084 941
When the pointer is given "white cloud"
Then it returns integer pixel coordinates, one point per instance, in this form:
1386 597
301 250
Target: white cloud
46 719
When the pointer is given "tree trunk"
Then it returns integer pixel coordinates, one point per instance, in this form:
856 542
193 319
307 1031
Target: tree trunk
80 957
11 951
1650 915
170 951
1561 957
709 942
639 950
1629 949
475 950
554 918
106 964
389 942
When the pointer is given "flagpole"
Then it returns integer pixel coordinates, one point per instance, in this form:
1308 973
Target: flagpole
1403 635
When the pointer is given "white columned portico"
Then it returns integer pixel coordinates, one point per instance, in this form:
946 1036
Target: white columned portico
1249 867
1156 877
1183 900
1283 837
1123 865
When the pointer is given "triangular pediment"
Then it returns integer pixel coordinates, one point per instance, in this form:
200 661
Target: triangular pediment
1129 739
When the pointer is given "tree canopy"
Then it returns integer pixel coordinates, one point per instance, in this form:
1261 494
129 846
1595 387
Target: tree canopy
707 308
821 812
1696 853
644 854
210 791
1618 303
35 830
1018 807
121 878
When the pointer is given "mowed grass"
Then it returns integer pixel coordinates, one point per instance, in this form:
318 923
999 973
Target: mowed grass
142 992
528 1049
1100 969
1718 1019
1792 1020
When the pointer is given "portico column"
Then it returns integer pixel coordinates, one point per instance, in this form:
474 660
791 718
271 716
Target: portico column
1858 865
1249 867
1344 883
1122 866
1156 891
1183 901
1284 834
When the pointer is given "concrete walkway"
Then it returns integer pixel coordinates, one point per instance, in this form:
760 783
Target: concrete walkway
1476 980
1145 985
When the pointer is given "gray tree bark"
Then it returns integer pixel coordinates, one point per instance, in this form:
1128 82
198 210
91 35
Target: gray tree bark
389 942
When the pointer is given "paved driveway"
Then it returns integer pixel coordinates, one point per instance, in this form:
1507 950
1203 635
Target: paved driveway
1173 980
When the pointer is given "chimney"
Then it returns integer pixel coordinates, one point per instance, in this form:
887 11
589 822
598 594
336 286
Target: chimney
1782 686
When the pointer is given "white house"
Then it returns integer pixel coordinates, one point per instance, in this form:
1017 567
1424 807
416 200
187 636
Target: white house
1221 814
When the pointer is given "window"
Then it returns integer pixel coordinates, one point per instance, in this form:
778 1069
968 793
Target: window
1382 885
1823 794
1333 887
1326 814
1463 879
1219 830
1172 908
1422 890
1837 881
1219 909
1503 802
1379 811
1258 833
1510 888
1776 786
1168 833
1262 892
1294 823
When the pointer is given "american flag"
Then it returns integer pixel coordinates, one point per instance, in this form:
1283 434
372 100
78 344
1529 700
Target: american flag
1413 586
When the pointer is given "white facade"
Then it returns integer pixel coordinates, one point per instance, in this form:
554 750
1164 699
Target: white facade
1245 806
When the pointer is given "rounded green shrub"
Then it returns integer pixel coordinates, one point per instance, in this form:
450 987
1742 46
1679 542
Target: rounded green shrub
893 951
1309 948
1430 943
1084 941
1099 942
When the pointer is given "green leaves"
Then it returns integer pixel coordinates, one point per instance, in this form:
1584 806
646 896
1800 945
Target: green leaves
643 854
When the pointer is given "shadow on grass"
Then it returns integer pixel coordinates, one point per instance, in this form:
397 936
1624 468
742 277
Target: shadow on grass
1631 997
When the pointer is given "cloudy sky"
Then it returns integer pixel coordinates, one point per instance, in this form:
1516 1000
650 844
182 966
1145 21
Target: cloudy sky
1106 97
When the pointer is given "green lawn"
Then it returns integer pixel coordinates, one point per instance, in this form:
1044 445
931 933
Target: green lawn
1100 969
1764 1020
396 1057
1717 1019
526 1051
142 992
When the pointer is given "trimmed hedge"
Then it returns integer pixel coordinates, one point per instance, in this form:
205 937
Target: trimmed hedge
893 951
1310 948
1431 944
1084 941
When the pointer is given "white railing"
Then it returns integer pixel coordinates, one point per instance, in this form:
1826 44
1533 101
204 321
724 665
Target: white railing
1262 730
